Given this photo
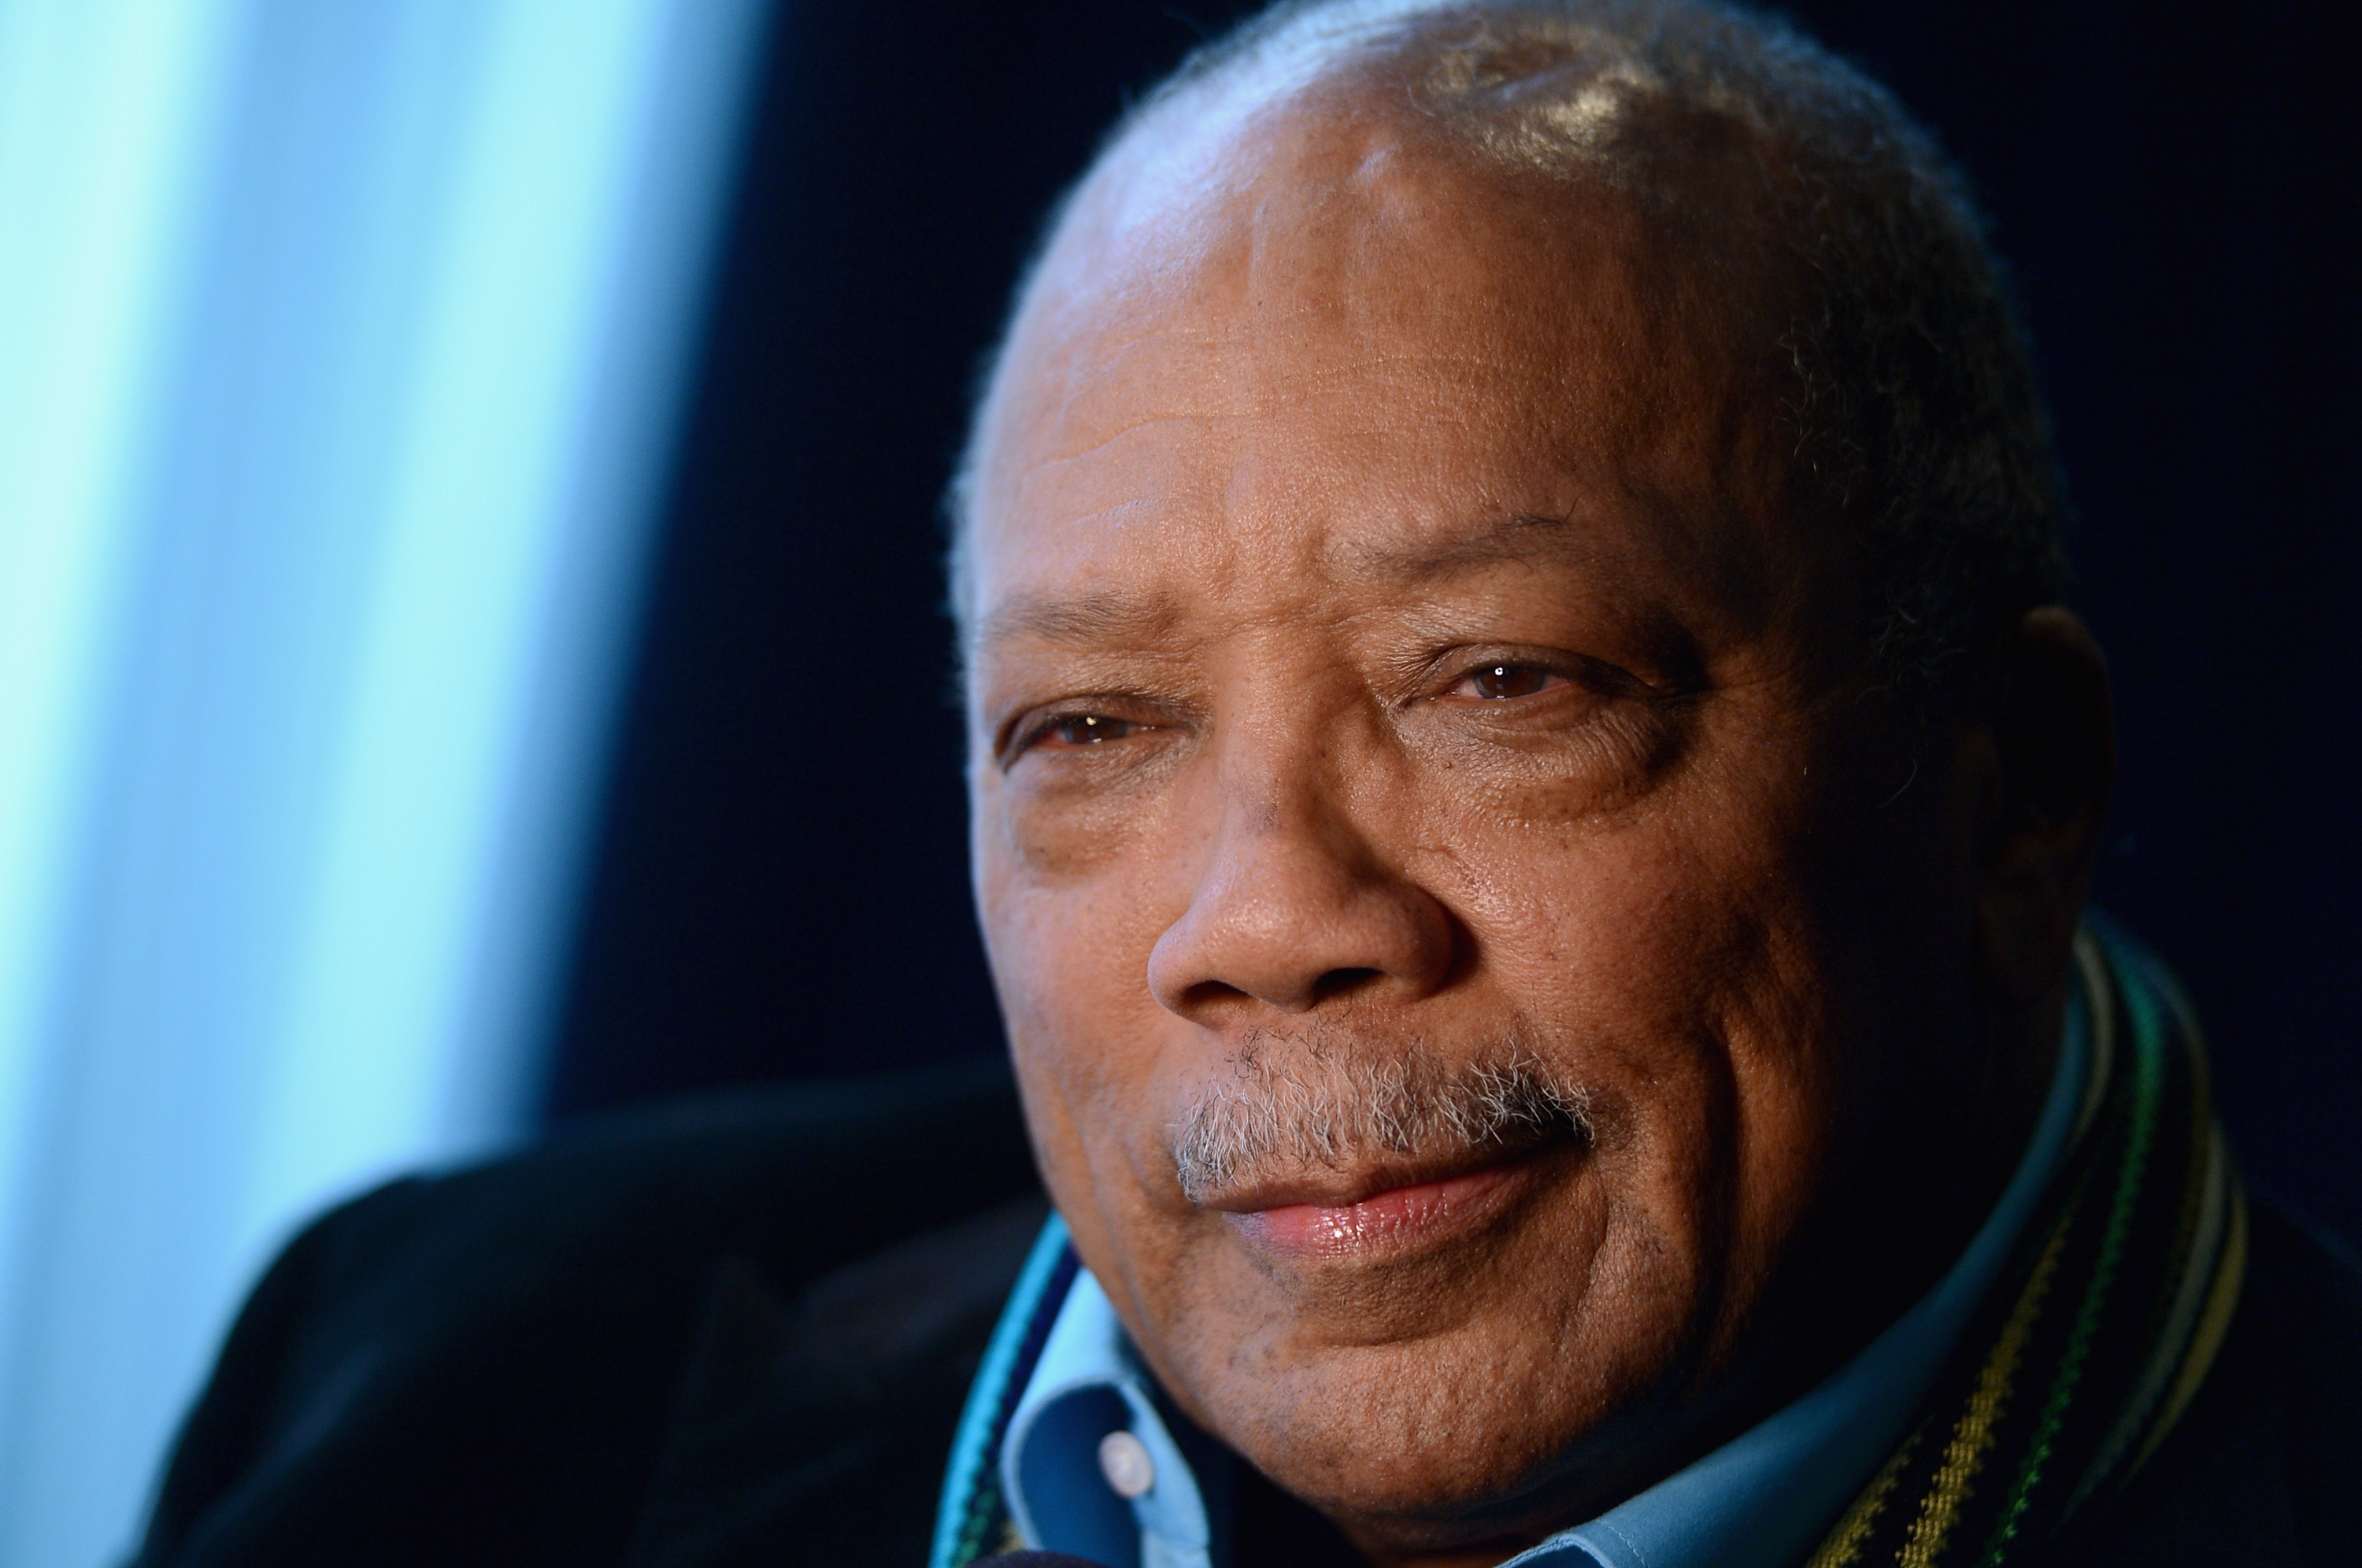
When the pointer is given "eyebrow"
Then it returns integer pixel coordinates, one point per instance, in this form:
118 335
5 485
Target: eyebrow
1521 536
1083 620
1099 618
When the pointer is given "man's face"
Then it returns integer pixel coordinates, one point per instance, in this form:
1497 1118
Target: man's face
1408 789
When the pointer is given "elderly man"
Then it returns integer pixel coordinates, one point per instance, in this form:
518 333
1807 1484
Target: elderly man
1531 806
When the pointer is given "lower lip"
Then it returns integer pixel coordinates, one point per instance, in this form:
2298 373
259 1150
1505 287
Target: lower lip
1392 1220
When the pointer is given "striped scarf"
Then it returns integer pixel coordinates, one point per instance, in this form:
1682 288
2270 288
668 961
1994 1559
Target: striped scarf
2077 1366
2080 1359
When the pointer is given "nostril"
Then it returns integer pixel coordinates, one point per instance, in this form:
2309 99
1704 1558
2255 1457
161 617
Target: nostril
1340 982
1211 992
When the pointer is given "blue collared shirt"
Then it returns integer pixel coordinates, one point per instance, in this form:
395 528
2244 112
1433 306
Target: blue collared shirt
1761 1500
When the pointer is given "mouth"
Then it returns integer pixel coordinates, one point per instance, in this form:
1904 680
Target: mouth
1385 1214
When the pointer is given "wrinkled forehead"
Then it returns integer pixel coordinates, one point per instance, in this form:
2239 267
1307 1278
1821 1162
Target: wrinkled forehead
1331 265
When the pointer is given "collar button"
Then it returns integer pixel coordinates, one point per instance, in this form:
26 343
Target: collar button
1124 1460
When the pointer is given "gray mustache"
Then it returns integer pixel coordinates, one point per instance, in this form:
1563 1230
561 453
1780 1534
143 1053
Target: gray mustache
1283 1109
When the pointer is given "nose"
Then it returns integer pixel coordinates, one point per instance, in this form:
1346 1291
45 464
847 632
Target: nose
1293 906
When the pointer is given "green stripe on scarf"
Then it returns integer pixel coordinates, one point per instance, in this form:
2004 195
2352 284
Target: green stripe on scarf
2105 1323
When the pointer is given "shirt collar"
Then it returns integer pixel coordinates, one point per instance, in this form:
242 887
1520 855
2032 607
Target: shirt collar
1759 1501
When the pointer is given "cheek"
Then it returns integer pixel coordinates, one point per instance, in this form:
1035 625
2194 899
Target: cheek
1069 959
1078 876
1650 915
1677 948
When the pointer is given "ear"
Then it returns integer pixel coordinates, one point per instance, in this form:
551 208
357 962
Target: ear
2054 736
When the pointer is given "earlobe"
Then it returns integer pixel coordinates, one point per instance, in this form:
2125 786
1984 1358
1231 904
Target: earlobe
2054 733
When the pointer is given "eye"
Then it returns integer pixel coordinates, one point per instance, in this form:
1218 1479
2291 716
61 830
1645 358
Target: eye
1074 732
1502 682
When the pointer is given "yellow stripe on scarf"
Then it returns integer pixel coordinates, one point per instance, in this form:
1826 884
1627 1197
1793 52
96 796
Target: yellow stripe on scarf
1965 1455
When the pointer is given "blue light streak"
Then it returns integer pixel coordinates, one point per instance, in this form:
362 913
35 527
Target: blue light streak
340 347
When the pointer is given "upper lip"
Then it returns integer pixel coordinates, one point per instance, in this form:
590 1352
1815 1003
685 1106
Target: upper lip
1342 1186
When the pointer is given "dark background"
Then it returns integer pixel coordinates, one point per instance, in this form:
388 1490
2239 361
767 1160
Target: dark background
779 889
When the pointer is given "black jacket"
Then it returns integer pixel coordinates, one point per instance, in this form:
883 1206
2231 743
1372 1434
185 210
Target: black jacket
739 1331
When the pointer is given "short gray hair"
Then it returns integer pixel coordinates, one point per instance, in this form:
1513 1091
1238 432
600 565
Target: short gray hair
1913 408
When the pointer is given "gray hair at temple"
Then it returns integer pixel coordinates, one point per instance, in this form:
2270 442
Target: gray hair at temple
1912 397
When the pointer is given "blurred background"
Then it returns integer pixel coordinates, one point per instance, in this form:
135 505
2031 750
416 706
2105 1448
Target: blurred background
470 654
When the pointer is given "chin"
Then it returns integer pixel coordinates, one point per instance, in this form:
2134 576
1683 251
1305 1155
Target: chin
1477 1430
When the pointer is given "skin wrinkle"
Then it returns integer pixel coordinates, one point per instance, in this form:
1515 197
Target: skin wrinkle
1317 896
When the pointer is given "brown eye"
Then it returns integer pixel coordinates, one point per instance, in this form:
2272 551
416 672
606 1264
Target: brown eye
1082 730
1500 682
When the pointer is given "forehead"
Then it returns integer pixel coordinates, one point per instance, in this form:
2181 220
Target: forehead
1324 336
